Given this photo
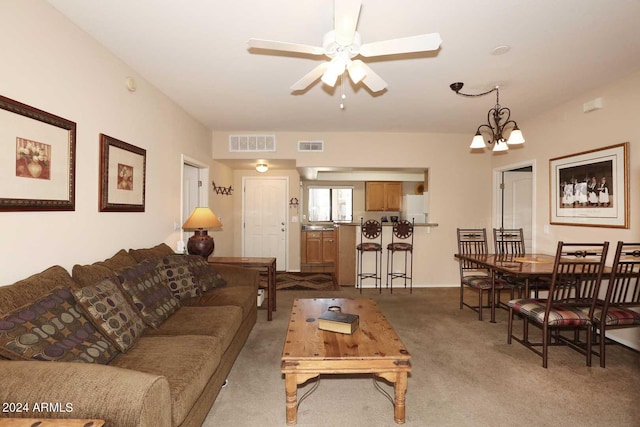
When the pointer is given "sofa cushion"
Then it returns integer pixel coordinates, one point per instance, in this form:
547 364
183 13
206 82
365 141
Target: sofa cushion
34 287
86 275
239 296
207 276
121 259
187 361
145 284
106 305
221 322
53 328
179 278
151 253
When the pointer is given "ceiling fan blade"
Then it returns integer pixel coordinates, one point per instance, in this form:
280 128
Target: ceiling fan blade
284 46
372 80
310 77
346 14
422 43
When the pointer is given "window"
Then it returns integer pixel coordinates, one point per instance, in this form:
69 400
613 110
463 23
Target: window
331 204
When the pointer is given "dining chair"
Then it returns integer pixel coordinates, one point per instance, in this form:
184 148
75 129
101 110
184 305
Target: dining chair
370 241
623 294
575 283
473 241
508 241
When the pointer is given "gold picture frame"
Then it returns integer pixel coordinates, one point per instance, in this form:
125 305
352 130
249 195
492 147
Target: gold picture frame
590 188
122 176
37 159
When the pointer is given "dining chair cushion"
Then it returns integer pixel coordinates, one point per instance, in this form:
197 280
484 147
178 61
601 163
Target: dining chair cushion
484 282
400 246
369 246
560 315
616 316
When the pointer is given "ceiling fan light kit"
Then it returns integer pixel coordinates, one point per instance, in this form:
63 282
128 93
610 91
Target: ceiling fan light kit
498 122
343 44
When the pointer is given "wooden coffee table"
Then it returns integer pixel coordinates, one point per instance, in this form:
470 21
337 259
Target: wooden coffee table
374 348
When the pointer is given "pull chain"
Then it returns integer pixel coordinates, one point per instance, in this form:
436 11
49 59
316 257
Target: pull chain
342 95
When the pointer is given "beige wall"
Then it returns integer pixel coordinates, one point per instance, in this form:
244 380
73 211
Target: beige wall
50 64
567 130
459 184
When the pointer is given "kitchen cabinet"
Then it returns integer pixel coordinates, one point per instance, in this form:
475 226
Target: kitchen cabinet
383 196
345 271
318 251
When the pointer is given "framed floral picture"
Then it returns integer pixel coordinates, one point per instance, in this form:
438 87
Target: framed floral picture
591 188
122 176
37 159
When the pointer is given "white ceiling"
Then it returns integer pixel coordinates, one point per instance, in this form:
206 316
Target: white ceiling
195 51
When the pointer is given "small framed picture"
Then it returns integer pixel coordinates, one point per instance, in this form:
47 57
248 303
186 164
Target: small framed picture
591 188
37 159
122 176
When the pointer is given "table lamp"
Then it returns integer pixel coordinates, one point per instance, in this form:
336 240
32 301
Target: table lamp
200 220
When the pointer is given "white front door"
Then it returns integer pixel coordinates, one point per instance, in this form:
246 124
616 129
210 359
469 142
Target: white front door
517 204
265 218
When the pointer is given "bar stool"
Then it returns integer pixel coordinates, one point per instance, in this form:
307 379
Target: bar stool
370 230
402 230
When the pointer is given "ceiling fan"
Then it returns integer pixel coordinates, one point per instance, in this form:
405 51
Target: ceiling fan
343 43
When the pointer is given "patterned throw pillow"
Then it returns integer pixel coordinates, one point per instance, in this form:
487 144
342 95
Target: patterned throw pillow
178 276
111 312
207 277
53 328
145 284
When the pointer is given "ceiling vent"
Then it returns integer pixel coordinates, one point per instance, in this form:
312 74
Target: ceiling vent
314 146
252 143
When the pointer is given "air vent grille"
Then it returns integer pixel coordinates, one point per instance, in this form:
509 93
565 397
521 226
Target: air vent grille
314 146
252 143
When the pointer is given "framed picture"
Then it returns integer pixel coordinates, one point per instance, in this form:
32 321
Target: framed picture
37 159
591 188
122 176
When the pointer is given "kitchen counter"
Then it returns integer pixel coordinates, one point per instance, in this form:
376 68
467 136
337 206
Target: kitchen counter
389 224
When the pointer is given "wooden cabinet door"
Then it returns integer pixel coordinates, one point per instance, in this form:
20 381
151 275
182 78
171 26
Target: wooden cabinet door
393 196
314 246
374 196
328 246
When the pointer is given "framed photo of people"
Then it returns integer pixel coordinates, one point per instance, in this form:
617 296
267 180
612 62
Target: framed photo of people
37 159
122 176
591 188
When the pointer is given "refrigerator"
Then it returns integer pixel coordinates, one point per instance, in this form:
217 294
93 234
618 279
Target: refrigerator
415 207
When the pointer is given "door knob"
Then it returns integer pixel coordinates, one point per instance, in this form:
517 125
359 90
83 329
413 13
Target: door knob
282 229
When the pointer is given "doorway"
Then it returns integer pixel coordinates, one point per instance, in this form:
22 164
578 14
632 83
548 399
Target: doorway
264 218
514 200
194 193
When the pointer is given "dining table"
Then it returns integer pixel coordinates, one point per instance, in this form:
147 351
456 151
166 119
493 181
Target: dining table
521 267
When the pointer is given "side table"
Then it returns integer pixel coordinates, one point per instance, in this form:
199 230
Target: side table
262 264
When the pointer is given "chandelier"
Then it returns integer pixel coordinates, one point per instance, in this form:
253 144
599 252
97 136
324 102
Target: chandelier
498 122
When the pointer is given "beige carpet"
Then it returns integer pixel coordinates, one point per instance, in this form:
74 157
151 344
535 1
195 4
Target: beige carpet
464 374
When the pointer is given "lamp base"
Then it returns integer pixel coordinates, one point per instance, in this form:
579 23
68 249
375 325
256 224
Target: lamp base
200 244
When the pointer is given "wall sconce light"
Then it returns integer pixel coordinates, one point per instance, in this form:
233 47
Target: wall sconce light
262 167
498 119
293 203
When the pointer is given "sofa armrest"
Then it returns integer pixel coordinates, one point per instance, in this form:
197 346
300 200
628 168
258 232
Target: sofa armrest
238 276
121 397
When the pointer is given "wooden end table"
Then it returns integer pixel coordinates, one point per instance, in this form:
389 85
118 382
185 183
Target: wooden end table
262 264
374 348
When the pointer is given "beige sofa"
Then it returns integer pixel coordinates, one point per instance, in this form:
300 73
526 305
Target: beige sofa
168 374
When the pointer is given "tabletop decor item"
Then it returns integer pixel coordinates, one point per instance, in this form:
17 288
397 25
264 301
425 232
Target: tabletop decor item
590 188
122 176
41 174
